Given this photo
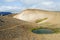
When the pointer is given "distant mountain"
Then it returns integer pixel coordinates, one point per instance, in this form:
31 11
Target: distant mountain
5 13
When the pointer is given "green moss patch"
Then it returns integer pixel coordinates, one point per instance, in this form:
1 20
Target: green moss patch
40 20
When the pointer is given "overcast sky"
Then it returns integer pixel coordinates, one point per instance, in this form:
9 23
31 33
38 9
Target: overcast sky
18 5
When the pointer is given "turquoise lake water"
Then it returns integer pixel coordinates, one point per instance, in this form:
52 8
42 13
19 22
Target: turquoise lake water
42 31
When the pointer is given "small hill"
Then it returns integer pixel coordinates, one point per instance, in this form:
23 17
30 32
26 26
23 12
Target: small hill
33 15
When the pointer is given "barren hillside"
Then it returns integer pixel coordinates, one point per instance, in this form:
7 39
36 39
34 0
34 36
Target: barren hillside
13 29
32 15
